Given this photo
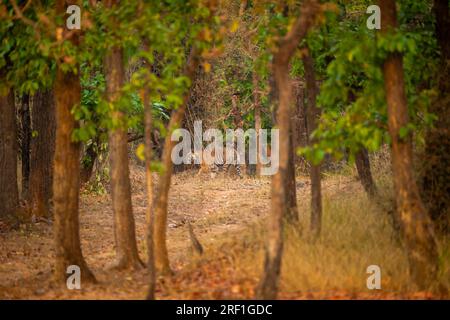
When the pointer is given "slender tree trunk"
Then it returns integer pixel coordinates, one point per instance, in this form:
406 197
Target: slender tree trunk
362 163
161 255
291 185
301 116
124 226
295 121
257 109
299 126
298 118
67 91
268 285
416 225
149 217
312 115
42 150
436 176
291 215
25 145
88 162
9 193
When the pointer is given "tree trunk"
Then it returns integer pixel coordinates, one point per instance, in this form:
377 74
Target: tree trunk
25 145
362 163
42 150
416 225
67 91
268 285
303 130
149 217
161 255
124 226
257 109
299 118
436 174
88 161
299 126
312 115
291 185
9 193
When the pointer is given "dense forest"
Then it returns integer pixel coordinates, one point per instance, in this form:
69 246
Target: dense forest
224 149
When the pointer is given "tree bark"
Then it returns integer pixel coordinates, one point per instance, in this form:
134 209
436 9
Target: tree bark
161 255
299 118
88 162
299 126
42 150
257 110
268 286
25 145
124 225
436 174
416 225
67 91
362 163
291 185
312 115
149 216
9 193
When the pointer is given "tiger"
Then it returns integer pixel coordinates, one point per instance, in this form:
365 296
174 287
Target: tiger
218 165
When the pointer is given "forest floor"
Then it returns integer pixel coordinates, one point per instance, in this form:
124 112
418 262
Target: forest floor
227 215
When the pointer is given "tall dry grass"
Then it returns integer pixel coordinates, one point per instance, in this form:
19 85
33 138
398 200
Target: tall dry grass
355 234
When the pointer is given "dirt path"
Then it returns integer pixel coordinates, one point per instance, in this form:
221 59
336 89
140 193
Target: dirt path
217 208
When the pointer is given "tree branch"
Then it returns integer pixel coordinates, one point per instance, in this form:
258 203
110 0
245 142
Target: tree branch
288 44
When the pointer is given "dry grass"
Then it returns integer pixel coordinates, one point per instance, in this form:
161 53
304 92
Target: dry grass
355 234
